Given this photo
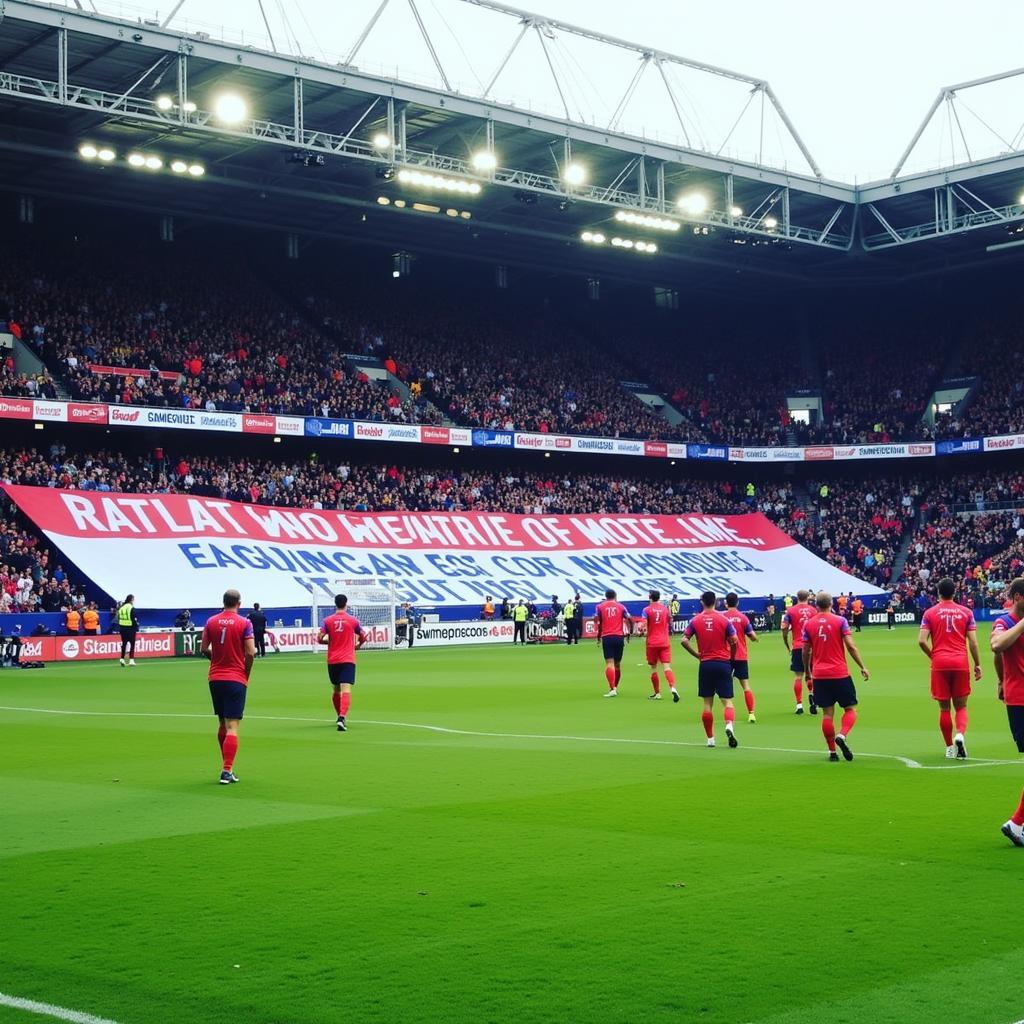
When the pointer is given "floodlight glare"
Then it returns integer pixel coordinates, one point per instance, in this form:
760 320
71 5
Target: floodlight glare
485 160
382 141
694 203
735 211
106 154
647 221
196 170
229 108
137 160
574 174
438 181
179 166
770 223
189 107
88 151
153 163
593 237
164 103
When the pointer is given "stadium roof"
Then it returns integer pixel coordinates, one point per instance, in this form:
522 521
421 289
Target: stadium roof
70 78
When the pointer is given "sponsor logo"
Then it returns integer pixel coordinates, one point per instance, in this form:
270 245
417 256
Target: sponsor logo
403 433
69 648
170 419
327 428
290 425
736 454
125 415
586 445
32 649
563 442
844 453
656 448
706 451
460 436
629 447
995 443
820 453
83 413
369 430
872 451
229 422
877 618
259 424
493 438
16 408
529 441
50 411
919 449
455 632
435 435
787 454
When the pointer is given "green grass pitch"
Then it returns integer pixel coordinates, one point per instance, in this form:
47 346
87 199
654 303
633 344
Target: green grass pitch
553 857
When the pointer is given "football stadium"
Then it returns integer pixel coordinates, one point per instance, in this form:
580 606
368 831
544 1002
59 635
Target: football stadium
492 531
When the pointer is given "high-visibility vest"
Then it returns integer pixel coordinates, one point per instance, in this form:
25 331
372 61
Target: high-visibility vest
124 615
673 607
520 613
91 619
74 621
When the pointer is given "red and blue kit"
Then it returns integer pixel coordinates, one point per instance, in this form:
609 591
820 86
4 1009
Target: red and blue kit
658 621
712 631
610 617
740 656
948 624
824 634
226 634
342 630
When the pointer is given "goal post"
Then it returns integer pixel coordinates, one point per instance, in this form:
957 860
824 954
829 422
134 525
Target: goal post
372 601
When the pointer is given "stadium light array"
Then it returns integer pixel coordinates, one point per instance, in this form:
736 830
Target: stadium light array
640 246
694 203
574 174
771 223
179 166
87 151
484 160
153 163
401 204
645 220
382 141
136 160
438 181
229 108
164 103
593 237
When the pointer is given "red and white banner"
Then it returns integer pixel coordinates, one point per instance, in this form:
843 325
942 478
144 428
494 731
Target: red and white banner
191 549
94 648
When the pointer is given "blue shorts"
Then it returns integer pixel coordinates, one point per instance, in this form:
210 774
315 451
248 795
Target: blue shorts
1015 714
714 679
613 647
740 669
796 661
342 672
829 692
228 698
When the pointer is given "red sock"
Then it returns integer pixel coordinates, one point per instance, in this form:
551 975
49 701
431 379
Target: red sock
336 701
729 714
798 689
946 726
609 674
670 678
828 728
346 703
708 721
230 749
1018 815
655 682
618 675
221 733
849 721
810 687
961 720
748 696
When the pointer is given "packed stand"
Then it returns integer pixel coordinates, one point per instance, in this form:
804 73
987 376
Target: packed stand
232 346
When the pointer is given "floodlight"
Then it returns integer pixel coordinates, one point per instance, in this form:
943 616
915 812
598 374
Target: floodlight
196 170
437 181
646 220
189 107
383 201
153 163
106 154
164 103
137 160
179 166
382 141
735 211
694 203
574 174
770 223
229 108
485 160
88 151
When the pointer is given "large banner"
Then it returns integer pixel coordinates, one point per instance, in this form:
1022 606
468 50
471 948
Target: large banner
177 551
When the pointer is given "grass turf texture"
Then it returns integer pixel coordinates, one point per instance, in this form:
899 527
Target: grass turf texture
399 874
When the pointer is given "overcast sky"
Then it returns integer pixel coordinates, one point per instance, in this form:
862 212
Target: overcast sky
856 79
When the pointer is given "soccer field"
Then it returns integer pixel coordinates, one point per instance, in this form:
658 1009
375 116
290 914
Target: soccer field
492 841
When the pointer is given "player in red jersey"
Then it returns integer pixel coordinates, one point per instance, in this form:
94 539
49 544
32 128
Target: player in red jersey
343 636
228 643
947 632
740 658
659 650
1009 652
716 646
826 639
612 621
793 622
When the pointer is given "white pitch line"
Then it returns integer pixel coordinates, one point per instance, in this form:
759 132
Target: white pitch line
974 762
49 1010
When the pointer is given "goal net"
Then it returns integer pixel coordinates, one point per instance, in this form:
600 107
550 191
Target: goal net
371 601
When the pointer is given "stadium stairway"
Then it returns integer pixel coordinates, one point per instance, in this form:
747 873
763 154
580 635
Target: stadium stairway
28 363
901 555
